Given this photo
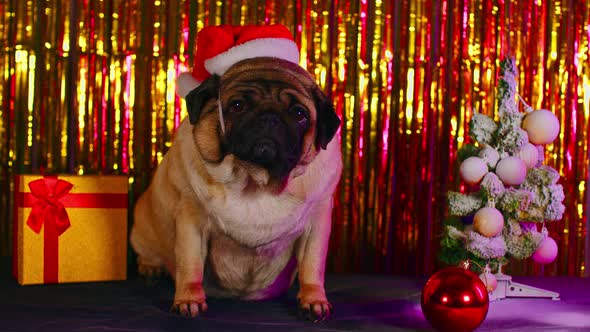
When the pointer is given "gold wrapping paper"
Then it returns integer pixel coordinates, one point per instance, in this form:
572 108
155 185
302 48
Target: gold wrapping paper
93 248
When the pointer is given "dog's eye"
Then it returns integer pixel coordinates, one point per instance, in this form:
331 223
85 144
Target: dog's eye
236 106
299 113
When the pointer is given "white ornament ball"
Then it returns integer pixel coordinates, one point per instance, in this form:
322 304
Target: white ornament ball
511 171
473 169
488 221
490 156
489 280
542 126
546 252
529 154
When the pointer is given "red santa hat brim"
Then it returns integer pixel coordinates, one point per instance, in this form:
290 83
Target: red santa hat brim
281 48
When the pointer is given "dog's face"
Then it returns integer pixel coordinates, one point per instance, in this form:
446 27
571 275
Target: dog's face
274 114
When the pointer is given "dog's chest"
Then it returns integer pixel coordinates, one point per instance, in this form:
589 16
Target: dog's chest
262 221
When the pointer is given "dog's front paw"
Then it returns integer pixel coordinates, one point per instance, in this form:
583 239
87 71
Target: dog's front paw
313 304
189 301
189 308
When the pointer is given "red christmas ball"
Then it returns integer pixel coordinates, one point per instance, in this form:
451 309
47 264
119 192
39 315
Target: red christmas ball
455 299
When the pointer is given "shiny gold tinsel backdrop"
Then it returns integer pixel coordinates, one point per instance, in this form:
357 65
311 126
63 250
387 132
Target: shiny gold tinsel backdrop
88 87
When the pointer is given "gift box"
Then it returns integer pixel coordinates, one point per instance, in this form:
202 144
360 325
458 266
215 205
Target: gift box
70 228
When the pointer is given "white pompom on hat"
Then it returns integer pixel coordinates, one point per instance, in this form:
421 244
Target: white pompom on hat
220 47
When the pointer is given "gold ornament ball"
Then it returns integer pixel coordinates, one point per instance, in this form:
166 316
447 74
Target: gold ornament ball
488 221
542 126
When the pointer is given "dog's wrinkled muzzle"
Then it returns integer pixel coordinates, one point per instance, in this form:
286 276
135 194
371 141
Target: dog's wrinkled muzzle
264 151
265 139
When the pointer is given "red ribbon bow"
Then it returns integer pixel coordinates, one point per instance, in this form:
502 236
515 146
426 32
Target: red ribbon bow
47 208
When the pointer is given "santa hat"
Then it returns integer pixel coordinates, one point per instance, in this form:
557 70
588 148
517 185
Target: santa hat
219 47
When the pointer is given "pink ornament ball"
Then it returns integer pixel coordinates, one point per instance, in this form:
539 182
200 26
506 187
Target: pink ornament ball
473 169
490 156
546 252
511 171
489 280
529 154
542 126
488 221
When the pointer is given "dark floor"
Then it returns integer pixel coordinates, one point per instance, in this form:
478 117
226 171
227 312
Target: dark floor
362 303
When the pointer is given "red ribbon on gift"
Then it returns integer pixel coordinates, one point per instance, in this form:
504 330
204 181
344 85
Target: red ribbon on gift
48 199
49 211
47 208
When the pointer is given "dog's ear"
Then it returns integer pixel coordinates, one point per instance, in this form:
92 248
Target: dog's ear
195 100
327 122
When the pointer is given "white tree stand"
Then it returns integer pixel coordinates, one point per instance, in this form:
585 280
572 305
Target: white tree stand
507 288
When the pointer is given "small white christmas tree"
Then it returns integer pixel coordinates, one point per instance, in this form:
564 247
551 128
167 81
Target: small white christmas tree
513 191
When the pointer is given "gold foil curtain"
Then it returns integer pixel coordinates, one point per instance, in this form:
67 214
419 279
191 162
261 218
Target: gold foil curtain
88 87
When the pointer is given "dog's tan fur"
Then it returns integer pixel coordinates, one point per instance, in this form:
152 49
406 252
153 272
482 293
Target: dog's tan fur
221 226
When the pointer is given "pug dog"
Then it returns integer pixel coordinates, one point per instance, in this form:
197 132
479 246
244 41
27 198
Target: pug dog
241 204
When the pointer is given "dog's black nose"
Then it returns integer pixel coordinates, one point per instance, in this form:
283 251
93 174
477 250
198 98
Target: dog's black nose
264 151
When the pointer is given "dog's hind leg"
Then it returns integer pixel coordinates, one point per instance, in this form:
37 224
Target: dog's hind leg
151 272
150 265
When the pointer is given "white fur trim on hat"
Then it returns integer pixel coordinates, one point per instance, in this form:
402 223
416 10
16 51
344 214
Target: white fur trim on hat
263 47
185 83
